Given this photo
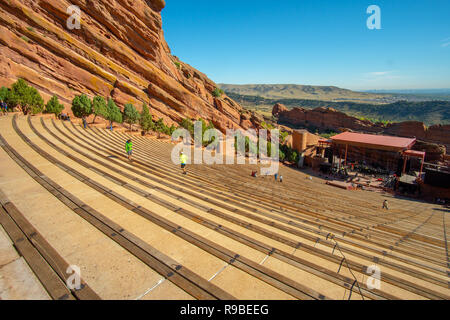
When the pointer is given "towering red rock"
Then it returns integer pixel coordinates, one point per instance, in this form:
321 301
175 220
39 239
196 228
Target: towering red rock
278 108
119 51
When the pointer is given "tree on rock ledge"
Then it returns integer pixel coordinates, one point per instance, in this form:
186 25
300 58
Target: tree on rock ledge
130 115
4 94
99 108
26 97
146 120
53 106
113 114
81 106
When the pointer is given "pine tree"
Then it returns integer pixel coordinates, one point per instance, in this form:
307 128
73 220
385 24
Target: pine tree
99 108
81 106
130 114
146 120
53 106
4 93
113 114
26 97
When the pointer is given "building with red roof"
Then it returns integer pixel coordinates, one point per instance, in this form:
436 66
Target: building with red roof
379 151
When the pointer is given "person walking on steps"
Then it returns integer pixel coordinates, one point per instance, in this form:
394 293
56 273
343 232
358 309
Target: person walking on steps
4 107
276 176
129 149
84 123
281 178
183 161
385 205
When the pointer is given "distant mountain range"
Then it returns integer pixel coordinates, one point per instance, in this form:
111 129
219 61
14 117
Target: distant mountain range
428 112
293 91
412 91
334 94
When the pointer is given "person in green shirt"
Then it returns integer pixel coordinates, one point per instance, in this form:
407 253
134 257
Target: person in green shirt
183 160
129 149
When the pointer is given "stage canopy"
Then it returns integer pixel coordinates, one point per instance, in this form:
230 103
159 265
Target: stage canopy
373 141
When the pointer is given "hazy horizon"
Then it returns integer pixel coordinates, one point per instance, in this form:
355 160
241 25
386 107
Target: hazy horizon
435 90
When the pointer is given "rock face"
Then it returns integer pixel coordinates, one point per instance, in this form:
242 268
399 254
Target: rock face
325 118
278 108
330 119
118 52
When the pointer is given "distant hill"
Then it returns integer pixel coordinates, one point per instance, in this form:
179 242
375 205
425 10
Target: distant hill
416 94
428 112
293 91
412 91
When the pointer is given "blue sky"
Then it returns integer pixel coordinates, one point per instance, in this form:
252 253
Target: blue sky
315 42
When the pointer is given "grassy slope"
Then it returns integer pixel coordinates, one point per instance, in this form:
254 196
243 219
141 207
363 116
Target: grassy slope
291 91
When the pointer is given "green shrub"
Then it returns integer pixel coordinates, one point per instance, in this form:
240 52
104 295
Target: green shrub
99 108
160 126
282 156
4 94
188 125
26 97
267 126
289 153
172 129
207 138
250 146
113 113
328 134
53 106
130 115
293 157
25 38
283 136
146 120
177 64
217 92
81 106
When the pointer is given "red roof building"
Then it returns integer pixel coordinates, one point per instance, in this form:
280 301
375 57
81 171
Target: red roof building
373 141
384 152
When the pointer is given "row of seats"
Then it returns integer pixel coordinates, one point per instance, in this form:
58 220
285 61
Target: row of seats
298 239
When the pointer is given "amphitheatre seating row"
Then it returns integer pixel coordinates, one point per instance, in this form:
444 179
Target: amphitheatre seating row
218 233
42 258
290 200
427 253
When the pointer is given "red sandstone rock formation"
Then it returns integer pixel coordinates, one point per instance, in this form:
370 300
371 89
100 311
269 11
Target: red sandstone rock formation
279 108
119 52
325 118
328 118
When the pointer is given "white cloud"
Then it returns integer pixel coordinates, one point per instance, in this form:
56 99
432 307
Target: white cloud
445 42
382 76
378 73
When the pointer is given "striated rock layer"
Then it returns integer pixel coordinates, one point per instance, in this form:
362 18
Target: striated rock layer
330 119
118 52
